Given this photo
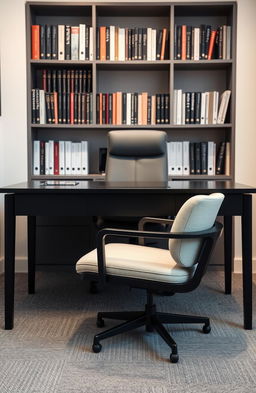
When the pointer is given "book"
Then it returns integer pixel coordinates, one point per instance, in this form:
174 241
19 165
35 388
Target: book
224 101
61 42
74 42
220 159
35 42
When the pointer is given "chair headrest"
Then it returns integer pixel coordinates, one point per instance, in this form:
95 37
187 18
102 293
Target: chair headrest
137 143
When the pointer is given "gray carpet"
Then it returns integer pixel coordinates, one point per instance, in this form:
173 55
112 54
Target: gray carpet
49 349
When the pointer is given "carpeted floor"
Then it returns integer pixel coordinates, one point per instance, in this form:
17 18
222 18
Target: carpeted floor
49 349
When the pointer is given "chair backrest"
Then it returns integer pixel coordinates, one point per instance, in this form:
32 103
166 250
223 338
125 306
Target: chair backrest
136 155
197 214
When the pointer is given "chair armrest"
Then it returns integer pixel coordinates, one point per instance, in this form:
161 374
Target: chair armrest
103 233
153 220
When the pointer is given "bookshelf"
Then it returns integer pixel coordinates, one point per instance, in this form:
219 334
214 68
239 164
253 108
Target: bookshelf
152 76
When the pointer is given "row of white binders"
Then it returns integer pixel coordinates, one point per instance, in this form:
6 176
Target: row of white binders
60 158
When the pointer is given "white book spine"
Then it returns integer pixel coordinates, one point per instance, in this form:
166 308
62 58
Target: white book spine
42 112
121 44
74 42
78 158
185 147
128 108
61 42
169 158
62 157
112 43
196 43
51 157
214 158
36 160
202 119
46 158
179 158
183 108
82 28
173 155
84 158
153 44
175 98
73 158
149 43
179 106
91 43
68 162
206 107
223 106
210 168
215 106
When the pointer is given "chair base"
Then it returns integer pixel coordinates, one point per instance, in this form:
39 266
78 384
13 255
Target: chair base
149 318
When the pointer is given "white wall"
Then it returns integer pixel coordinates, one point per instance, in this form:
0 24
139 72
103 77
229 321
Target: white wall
13 134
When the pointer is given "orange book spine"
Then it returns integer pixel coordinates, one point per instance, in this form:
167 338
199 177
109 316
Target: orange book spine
163 44
35 42
119 107
55 103
100 108
211 44
183 41
103 43
116 43
114 109
144 108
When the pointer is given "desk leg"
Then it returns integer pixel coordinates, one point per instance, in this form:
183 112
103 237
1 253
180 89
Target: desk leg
228 252
247 259
10 221
31 253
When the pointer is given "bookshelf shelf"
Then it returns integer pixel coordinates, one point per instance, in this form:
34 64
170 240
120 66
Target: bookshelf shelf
136 76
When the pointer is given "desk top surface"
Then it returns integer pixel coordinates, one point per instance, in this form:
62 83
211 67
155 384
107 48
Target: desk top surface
91 186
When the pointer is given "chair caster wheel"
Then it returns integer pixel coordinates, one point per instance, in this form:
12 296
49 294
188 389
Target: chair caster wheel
100 323
174 358
206 329
96 348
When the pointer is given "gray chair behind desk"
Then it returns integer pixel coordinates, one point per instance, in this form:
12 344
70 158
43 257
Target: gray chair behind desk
134 156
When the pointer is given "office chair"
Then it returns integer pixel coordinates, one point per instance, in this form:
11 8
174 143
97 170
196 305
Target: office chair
179 269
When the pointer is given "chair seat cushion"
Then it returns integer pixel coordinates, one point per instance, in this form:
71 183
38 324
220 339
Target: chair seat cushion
136 261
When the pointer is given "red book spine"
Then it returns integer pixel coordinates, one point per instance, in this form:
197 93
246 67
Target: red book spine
106 109
183 41
56 158
44 84
55 102
211 44
72 108
35 42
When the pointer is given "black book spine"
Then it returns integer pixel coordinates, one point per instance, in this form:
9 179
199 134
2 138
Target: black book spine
68 119
202 41
136 43
192 157
79 112
103 108
204 158
175 43
84 88
80 81
42 42
76 83
149 110
52 107
197 108
107 43
129 44
87 34
133 42
110 108
139 43
97 43
166 108
49 81
37 106
89 108
192 108
178 42
54 42
48 108
48 41
158 108
207 39
64 98
188 42
220 159
67 42
159 44
198 158
42 158
75 108
162 108
59 89
82 108
220 46
33 106
97 108
54 80
124 107
216 45
89 81
187 107
135 108
144 43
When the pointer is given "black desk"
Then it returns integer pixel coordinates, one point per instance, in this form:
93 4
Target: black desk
90 198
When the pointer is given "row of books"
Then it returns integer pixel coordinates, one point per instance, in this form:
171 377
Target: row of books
63 108
65 81
200 107
132 108
120 44
198 158
60 158
202 43
62 42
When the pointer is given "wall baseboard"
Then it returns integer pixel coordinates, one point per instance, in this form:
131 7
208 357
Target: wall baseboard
22 265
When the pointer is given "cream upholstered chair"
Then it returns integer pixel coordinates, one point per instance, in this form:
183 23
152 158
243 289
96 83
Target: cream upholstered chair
178 269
